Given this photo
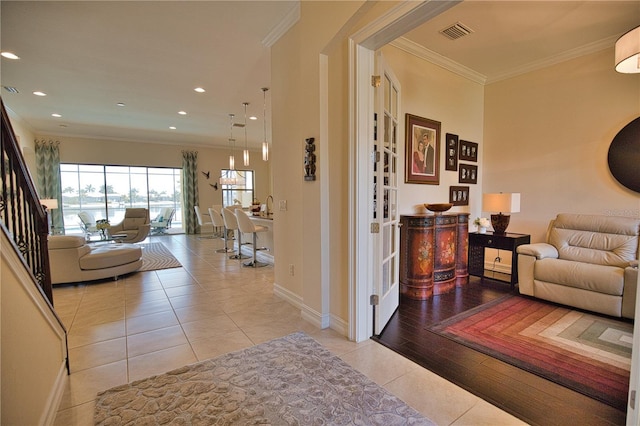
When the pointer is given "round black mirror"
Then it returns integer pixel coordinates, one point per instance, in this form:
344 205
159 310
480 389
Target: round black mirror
624 156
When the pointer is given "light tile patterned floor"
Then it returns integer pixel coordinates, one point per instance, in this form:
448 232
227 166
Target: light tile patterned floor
152 322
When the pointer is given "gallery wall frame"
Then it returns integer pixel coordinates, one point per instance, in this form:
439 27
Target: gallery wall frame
422 150
467 173
459 195
451 154
468 151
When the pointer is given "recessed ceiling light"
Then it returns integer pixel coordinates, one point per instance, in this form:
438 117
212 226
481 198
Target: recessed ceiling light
9 55
120 104
56 115
199 90
173 127
253 117
182 112
37 93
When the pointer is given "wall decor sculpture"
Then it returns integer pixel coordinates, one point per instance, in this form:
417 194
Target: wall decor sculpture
310 159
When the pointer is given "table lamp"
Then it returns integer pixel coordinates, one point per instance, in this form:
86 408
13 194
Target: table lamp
49 204
501 203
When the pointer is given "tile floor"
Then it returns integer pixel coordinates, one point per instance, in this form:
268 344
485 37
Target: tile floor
151 322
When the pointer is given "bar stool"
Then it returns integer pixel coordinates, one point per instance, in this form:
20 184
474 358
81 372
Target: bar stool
218 222
202 223
246 225
231 223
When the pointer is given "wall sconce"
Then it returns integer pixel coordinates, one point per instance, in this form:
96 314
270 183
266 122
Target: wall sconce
628 52
501 203
310 159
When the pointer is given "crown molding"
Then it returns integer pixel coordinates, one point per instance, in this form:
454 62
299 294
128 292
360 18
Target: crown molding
457 68
283 26
587 49
437 59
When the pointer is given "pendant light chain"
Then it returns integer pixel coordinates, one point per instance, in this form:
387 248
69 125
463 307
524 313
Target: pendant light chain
232 160
246 148
265 144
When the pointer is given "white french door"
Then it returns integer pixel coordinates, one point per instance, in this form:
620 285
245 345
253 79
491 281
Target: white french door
384 213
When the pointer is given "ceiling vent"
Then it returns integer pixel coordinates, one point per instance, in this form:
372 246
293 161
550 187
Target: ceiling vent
456 31
10 89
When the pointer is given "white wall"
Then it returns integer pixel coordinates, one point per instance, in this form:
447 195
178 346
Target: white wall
457 103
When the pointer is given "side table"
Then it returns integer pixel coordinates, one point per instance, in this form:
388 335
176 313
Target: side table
507 241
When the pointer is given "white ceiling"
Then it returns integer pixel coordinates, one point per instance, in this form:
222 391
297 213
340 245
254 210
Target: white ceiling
89 55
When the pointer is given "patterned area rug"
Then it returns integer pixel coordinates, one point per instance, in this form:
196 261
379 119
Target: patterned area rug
587 353
156 256
292 380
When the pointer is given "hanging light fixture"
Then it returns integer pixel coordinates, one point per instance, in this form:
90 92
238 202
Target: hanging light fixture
265 144
245 153
628 52
232 143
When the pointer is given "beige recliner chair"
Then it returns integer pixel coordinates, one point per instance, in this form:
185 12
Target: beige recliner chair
588 262
135 225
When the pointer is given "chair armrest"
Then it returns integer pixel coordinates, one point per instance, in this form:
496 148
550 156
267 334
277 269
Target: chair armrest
633 264
538 250
118 227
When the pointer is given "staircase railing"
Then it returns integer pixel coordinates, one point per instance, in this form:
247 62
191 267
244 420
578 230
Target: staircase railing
22 217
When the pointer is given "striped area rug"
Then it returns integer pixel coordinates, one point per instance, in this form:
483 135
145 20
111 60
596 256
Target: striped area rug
156 256
585 352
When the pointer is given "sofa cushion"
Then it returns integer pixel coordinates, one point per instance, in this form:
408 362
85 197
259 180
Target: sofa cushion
587 276
109 255
601 240
57 242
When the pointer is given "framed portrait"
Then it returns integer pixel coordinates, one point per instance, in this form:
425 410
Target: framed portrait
468 173
422 150
459 195
451 156
468 151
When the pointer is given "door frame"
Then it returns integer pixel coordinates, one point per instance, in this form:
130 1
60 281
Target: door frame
362 46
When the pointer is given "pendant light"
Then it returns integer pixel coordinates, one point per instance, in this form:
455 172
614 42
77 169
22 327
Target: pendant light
245 153
232 143
265 144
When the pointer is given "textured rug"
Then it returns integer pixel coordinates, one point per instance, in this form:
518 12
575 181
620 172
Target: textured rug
156 256
584 352
292 380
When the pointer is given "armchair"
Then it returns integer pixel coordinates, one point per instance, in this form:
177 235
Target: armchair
135 225
163 221
87 222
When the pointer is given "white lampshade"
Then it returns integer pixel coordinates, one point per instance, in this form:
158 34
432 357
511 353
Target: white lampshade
501 203
49 203
628 52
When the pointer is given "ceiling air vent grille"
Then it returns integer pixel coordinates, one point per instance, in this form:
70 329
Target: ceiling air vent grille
10 89
456 31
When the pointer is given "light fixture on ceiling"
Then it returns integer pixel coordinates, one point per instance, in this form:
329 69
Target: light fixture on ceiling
9 55
628 52
265 144
38 93
232 145
245 153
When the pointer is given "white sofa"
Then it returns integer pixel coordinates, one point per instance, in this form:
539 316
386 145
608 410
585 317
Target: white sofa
588 262
72 260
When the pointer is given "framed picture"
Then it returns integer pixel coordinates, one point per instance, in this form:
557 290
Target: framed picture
422 150
459 195
468 151
451 156
468 173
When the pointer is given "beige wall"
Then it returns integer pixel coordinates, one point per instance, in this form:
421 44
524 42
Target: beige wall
547 135
95 151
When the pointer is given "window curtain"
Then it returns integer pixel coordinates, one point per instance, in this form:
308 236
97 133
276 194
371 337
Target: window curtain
48 179
190 190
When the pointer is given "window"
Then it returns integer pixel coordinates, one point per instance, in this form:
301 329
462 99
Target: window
237 187
106 191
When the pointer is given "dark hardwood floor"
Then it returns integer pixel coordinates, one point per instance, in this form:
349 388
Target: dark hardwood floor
531 398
